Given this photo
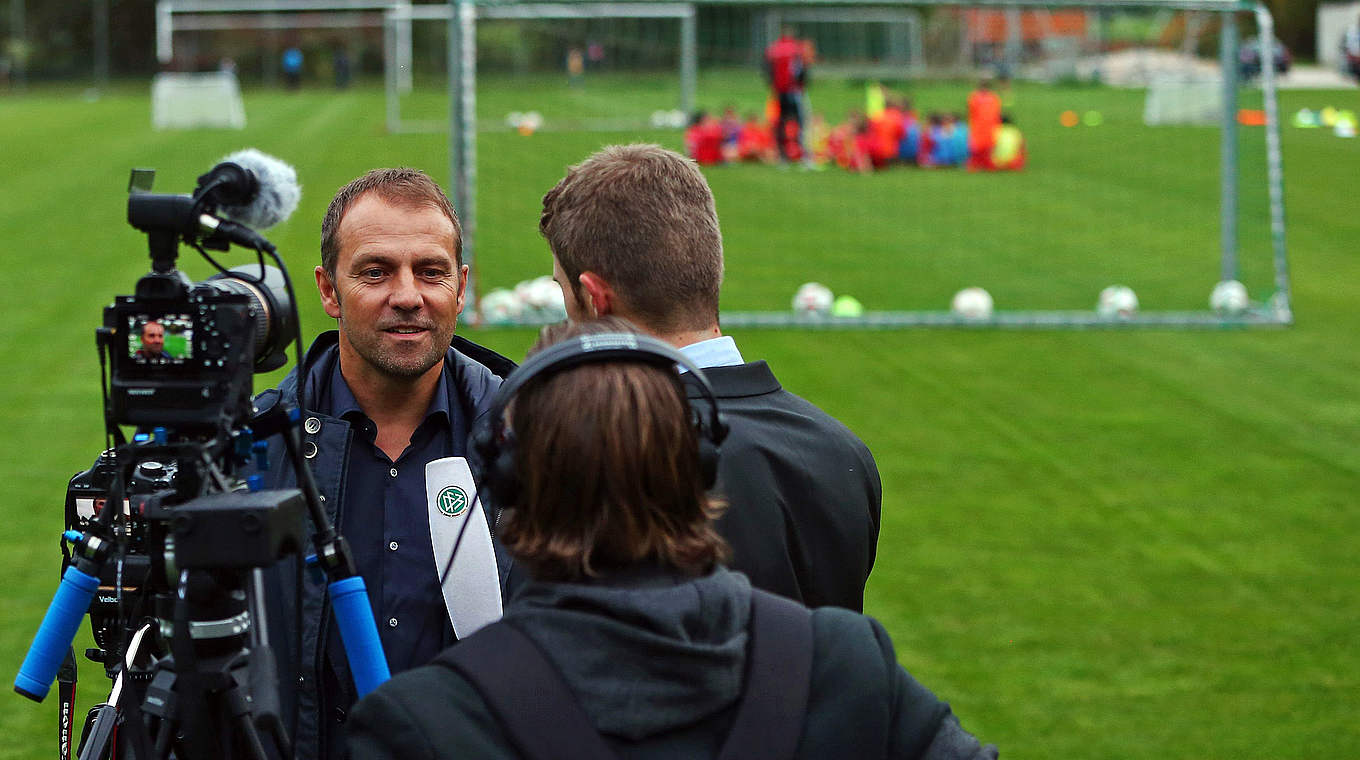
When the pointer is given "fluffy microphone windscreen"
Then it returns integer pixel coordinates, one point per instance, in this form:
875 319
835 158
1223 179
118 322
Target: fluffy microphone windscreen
278 194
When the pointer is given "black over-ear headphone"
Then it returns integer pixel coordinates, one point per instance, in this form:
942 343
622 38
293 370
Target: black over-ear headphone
495 443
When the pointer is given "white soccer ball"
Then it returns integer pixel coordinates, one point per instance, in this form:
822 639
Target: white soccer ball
541 299
523 291
1117 302
1229 296
500 307
547 298
972 303
813 298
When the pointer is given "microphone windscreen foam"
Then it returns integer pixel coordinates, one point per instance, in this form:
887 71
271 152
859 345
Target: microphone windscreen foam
278 195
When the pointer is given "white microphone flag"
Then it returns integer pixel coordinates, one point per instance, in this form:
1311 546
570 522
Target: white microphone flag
463 556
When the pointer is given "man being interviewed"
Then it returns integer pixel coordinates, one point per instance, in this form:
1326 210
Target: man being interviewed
634 233
388 400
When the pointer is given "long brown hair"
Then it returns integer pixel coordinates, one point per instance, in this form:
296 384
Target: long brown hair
608 461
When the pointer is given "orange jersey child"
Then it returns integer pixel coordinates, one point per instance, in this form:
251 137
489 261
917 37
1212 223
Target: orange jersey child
754 142
886 133
984 118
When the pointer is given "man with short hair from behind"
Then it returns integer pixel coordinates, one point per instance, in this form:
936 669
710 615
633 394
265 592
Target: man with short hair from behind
634 233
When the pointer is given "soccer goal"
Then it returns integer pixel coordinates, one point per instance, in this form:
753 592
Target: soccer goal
982 47
192 101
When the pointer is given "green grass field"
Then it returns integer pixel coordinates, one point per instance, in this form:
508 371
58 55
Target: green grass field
1109 544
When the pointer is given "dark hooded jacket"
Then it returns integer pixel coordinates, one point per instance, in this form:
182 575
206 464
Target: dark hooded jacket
315 685
657 661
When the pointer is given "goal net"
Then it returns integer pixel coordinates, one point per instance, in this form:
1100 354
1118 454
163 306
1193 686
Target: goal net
1105 200
546 66
191 101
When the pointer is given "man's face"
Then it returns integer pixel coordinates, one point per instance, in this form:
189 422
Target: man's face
398 288
153 338
576 308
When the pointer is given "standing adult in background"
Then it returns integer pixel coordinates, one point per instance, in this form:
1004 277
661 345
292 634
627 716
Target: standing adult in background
292 67
388 393
634 233
786 69
1350 49
340 62
984 119
631 640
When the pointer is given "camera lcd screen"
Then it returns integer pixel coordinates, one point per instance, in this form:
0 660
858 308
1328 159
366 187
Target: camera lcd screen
160 339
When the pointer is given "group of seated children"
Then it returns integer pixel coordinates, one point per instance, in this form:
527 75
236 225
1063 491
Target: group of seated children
710 140
893 134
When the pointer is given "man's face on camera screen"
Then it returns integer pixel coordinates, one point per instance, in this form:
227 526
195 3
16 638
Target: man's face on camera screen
153 338
397 290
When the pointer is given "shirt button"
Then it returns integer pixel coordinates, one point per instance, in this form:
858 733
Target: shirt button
391 622
392 545
393 472
312 425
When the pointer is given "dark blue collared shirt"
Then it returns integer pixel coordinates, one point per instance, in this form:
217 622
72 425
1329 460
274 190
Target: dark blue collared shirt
384 517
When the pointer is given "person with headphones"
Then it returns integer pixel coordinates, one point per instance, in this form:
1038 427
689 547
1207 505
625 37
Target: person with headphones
630 639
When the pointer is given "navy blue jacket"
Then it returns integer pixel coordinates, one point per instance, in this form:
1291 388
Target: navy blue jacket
316 688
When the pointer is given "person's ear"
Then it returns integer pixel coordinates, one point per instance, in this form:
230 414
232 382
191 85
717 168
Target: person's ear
600 297
330 300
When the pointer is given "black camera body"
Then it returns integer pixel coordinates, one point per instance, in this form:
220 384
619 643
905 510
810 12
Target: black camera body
196 374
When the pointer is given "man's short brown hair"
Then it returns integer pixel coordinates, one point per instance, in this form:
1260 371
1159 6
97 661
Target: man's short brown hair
608 462
402 187
641 217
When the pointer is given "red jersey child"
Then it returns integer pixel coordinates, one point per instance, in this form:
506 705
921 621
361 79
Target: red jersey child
704 140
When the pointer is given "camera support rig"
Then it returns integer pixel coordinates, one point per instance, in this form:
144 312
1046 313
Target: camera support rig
198 618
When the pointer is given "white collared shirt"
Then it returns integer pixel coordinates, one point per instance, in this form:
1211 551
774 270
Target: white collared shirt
714 352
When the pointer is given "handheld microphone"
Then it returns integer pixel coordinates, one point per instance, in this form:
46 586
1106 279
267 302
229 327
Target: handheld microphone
251 188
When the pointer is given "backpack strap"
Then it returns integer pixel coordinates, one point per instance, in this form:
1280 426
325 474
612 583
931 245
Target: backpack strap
770 715
533 702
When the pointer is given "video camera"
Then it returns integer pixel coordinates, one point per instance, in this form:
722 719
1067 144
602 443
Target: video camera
166 538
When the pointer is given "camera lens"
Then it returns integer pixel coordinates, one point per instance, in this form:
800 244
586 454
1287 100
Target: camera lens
271 307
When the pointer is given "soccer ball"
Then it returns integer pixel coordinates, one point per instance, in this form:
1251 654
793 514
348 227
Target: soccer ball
500 307
1229 296
673 118
972 303
548 299
847 307
813 298
542 299
1117 301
